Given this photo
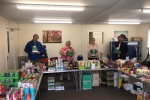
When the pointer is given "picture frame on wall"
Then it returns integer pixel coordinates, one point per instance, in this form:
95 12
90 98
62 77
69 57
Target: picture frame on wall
52 36
123 34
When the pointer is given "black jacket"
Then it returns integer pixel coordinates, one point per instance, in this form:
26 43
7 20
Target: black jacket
123 47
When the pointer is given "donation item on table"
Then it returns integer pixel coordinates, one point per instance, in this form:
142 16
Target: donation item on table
20 84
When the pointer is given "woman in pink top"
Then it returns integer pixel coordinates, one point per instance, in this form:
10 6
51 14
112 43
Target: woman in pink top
67 53
93 50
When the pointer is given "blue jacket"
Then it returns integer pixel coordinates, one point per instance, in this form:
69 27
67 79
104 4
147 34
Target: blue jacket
28 50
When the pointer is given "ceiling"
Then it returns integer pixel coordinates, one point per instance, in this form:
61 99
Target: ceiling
96 11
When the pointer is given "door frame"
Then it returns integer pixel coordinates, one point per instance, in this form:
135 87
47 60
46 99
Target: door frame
6 46
87 41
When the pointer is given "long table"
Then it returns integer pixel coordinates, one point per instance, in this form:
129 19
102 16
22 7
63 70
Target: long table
79 72
146 85
38 85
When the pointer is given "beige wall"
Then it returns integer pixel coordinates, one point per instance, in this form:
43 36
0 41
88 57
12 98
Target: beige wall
78 34
6 23
142 31
108 34
69 32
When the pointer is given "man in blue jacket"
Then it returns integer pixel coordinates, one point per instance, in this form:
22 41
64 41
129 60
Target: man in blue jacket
33 48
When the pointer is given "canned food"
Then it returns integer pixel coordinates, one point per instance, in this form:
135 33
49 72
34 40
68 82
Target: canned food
9 96
23 85
12 74
3 74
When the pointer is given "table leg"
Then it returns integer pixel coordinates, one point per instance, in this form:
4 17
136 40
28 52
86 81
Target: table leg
76 80
144 87
80 80
117 79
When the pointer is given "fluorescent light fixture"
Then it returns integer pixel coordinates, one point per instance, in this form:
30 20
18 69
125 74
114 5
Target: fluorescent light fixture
50 7
124 20
146 10
117 22
52 19
61 22
42 2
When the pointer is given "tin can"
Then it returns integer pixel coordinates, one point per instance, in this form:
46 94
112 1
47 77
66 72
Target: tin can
15 95
27 84
23 85
11 74
9 96
6 74
21 93
3 74
19 83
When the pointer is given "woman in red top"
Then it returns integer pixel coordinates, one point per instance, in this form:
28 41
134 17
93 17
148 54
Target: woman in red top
67 53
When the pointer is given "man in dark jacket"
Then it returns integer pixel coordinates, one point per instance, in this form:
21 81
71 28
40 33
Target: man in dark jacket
33 48
122 47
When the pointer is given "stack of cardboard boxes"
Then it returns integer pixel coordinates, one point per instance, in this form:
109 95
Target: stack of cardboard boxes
109 77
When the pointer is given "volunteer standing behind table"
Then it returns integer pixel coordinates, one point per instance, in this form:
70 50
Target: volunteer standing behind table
93 50
67 53
121 49
33 48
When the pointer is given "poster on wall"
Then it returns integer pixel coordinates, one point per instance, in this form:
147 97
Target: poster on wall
52 36
124 34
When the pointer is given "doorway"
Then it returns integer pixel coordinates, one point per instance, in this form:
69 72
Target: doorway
98 35
10 50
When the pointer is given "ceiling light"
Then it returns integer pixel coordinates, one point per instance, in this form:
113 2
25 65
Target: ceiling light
49 3
146 10
53 19
66 22
117 22
50 7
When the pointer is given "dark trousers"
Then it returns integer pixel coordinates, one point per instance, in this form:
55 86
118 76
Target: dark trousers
34 61
122 56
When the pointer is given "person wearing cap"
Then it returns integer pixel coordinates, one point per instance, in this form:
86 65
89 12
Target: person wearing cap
121 49
34 48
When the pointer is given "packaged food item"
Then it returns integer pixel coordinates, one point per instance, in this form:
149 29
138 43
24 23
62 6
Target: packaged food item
81 65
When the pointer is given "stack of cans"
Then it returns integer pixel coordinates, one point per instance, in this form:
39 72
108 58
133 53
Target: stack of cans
51 83
59 86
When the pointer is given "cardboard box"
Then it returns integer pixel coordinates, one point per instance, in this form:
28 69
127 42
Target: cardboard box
95 76
95 83
86 85
86 77
95 79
